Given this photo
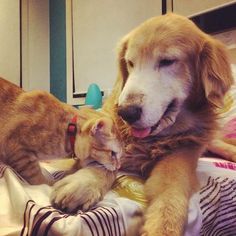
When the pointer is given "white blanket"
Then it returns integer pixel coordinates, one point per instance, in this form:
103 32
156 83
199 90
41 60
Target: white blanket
26 210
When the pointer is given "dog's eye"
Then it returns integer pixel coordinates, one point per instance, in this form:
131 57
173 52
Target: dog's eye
130 64
166 62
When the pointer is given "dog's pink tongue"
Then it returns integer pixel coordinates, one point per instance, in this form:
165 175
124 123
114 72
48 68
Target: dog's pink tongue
140 133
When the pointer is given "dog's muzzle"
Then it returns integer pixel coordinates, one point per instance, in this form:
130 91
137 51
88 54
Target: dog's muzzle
132 115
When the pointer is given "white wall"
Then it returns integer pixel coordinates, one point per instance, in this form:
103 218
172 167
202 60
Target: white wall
97 27
10 40
35 43
36 57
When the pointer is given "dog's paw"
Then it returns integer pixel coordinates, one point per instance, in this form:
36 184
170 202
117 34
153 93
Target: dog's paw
76 191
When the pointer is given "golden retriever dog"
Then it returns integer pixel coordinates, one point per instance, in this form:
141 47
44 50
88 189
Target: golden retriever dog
172 78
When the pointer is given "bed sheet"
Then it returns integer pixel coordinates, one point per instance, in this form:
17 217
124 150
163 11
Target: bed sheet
26 209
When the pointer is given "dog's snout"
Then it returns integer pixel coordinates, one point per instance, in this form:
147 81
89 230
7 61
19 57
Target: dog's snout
130 113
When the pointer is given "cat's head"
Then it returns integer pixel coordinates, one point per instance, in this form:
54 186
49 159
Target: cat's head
98 142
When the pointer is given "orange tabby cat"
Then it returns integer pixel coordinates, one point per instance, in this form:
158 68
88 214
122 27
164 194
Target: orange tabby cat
34 126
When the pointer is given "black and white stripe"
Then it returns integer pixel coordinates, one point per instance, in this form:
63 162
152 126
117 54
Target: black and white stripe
105 221
100 221
218 206
57 175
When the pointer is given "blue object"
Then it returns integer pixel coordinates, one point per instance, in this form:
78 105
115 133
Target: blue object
94 96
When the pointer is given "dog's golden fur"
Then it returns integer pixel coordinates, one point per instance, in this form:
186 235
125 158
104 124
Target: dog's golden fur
168 157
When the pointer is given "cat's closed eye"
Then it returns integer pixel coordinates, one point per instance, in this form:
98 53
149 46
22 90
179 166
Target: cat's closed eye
113 154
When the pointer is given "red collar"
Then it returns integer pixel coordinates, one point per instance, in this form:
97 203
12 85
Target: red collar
71 131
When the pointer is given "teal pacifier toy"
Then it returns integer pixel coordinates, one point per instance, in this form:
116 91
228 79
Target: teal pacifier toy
94 96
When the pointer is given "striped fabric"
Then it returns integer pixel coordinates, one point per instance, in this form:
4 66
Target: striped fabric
26 210
218 206
100 221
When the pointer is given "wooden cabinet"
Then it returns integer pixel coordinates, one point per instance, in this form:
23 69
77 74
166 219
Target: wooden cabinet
195 7
216 17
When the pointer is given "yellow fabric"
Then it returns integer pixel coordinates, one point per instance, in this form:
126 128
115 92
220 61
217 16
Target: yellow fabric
130 187
228 103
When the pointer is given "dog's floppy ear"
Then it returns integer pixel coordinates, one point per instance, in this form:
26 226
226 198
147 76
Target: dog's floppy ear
215 71
121 77
122 66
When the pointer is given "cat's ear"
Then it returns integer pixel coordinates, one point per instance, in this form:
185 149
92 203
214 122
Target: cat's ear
101 126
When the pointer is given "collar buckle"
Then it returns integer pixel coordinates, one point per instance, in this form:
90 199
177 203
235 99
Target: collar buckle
72 129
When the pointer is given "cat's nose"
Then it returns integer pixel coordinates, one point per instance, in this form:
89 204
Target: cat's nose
130 113
116 159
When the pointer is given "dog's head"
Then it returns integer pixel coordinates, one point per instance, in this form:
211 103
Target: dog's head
166 66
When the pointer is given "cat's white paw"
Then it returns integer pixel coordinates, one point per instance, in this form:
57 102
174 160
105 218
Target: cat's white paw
76 191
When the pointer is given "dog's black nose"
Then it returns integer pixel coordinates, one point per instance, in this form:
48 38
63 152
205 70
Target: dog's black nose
130 113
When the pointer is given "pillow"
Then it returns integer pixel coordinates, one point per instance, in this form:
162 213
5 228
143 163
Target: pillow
228 112
224 143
